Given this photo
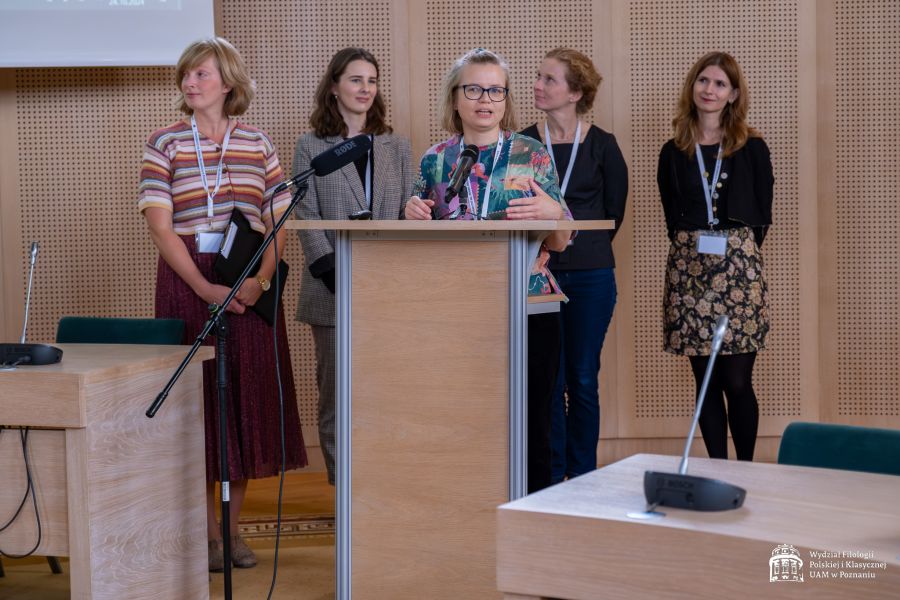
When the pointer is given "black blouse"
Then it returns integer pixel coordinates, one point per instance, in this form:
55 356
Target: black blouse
745 195
598 189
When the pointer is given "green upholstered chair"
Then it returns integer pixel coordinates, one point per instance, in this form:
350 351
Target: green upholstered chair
115 330
846 447
105 330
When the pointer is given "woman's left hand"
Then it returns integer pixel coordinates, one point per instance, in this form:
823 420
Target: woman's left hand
249 292
538 207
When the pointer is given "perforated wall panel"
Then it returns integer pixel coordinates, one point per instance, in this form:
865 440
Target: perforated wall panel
665 38
520 30
867 188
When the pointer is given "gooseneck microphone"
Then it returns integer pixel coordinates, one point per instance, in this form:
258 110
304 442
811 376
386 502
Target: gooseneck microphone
331 160
32 259
687 491
464 166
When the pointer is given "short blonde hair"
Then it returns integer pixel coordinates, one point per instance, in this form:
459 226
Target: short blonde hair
232 69
479 56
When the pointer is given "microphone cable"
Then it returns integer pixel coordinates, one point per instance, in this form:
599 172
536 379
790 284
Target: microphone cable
29 489
280 399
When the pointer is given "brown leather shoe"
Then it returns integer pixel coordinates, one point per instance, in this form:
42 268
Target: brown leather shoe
216 556
242 556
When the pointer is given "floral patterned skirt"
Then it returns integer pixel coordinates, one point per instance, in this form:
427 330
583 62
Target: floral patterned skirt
701 287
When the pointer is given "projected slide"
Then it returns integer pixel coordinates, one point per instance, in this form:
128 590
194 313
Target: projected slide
88 33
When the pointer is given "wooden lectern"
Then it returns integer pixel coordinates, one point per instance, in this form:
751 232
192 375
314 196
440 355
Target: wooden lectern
120 494
431 386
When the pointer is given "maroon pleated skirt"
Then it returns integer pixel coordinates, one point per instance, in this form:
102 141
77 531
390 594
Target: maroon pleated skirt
254 438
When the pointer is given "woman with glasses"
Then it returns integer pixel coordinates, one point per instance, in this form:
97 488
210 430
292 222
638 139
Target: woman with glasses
194 173
512 178
716 186
594 183
347 103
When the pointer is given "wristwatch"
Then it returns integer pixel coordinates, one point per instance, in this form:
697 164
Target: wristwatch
264 283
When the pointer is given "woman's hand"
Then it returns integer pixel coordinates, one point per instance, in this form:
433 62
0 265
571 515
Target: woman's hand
214 293
538 207
418 209
249 292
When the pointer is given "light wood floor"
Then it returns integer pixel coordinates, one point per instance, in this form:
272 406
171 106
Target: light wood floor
305 558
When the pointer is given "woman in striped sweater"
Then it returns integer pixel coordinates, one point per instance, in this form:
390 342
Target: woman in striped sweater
194 173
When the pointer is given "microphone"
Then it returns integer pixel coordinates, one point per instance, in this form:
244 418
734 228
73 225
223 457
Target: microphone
12 355
464 166
331 160
687 491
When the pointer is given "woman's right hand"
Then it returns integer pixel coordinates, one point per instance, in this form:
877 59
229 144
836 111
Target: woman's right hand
418 209
214 293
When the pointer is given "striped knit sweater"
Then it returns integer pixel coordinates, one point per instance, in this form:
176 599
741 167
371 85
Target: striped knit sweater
170 178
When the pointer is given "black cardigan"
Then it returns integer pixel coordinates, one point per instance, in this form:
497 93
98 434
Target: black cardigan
749 187
598 189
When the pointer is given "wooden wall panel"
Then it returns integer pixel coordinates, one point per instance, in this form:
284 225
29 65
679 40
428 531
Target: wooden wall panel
822 76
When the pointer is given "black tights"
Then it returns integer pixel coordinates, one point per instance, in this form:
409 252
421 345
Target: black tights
733 376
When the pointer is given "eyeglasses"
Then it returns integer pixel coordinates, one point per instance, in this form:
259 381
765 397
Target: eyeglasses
475 92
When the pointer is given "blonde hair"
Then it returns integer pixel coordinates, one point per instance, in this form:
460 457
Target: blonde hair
581 76
232 69
450 119
735 130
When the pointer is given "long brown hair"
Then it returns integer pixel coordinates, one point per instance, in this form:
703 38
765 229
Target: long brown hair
735 130
326 119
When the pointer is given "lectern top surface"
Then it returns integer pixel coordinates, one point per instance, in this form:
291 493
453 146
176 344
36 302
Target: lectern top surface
451 225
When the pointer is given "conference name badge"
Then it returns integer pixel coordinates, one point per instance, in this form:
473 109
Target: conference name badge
712 242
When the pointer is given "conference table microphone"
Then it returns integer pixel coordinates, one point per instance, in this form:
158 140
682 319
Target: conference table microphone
331 160
680 490
13 355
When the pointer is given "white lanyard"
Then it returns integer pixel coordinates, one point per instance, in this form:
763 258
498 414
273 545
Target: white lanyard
210 196
709 189
565 181
473 199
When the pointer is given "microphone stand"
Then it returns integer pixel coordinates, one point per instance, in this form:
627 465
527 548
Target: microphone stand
688 491
219 322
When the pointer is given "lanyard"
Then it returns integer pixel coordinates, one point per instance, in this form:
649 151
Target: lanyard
473 199
565 181
709 188
369 173
210 196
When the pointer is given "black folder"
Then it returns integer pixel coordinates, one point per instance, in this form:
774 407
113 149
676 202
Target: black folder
238 246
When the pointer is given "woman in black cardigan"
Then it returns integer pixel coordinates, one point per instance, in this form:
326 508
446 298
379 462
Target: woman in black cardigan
715 182
594 182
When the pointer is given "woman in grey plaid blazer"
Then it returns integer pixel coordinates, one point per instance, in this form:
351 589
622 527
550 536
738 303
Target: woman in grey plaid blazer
347 104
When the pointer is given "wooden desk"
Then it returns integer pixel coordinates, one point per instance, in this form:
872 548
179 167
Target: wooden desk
576 540
120 494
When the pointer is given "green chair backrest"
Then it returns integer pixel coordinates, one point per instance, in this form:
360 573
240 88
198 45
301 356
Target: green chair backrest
846 447
105 330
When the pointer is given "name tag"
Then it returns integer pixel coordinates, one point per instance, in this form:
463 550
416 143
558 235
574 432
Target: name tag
209 241
712 243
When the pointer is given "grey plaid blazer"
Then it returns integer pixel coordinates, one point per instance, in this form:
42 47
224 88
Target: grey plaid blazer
337 195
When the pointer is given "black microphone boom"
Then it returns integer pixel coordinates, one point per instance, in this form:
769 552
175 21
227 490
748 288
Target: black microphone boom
464 166
680 490
331 160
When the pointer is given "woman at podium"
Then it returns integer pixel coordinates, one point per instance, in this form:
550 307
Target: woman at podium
511 177
715 182
348 102
594 182
194 173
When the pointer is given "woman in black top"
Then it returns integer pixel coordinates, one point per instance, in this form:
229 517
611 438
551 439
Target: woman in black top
594 182
715 181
